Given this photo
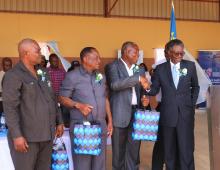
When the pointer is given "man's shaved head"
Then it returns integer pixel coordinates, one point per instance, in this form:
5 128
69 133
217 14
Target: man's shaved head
29 49
25 45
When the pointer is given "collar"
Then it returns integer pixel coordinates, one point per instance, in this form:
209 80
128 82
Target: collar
54 69
177 65
22 66
132 66
83 71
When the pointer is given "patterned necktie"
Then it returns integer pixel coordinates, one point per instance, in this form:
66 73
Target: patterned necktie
175 75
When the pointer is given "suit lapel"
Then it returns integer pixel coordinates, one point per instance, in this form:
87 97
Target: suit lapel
182 66
169 74
122 68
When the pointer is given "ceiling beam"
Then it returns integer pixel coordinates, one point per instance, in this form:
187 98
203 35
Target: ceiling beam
112 7
106 5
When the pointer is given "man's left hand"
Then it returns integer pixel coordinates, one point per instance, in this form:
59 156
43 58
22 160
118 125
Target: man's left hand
59 130
144 82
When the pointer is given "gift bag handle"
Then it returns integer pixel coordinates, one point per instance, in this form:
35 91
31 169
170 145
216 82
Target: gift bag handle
62 142
86 117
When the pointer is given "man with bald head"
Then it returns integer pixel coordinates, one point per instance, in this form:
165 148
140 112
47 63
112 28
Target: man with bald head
125 80
31 110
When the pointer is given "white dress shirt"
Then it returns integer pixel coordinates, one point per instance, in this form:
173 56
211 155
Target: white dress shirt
177 67
131 73
158 98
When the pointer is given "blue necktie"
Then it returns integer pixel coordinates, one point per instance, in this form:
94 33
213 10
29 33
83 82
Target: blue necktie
175 75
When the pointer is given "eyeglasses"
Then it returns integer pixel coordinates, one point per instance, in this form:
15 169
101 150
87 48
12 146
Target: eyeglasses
177 54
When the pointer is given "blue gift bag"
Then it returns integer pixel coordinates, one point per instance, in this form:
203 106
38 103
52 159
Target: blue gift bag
145 125
87 139
3 129
59 160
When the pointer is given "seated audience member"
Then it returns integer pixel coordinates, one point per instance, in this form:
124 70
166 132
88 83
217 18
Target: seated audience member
6 65
74 64
57 74
43 62
147 74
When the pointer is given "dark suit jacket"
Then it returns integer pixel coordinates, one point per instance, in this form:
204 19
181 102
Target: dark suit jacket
120 86
30 105
176 103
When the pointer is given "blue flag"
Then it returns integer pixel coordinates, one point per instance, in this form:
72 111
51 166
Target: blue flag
172 24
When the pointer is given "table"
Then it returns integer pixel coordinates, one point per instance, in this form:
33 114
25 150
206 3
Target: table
5 157
66 140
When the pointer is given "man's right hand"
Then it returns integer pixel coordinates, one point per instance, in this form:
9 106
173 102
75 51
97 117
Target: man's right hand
20 144
144 82
145 101
85 109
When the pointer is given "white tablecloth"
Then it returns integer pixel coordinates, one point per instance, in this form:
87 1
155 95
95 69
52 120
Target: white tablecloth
66 139
5 157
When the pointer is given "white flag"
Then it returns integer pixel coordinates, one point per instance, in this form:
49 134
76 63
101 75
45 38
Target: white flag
204 81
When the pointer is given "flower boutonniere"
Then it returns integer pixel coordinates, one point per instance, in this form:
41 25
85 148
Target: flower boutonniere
136 68
42 74
183 72
49 83
98 78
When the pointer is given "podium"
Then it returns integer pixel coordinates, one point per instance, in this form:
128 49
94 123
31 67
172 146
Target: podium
213 109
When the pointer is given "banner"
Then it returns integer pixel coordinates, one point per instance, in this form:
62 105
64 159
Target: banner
209 60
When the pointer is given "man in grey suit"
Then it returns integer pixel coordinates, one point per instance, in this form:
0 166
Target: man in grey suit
31 110
178 81
83 91
124 81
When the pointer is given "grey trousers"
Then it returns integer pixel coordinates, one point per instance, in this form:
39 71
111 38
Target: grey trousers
125 150
38 156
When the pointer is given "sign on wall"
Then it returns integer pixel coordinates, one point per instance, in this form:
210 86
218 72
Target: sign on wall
209 60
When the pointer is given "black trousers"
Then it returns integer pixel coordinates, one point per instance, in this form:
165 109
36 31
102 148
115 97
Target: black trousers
179 140
1 108
65 115
125 151
158 152
158 159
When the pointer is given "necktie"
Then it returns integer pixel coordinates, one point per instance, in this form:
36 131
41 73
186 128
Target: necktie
175 75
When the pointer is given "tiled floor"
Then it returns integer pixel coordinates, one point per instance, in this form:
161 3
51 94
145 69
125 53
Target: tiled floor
201 146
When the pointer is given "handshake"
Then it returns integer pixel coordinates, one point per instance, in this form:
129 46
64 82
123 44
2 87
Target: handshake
144 82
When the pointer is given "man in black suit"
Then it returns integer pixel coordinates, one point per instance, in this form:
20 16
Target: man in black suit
158 150
178 81
124 81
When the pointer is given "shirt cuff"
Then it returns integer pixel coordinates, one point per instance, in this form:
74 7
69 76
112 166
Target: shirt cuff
148 90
